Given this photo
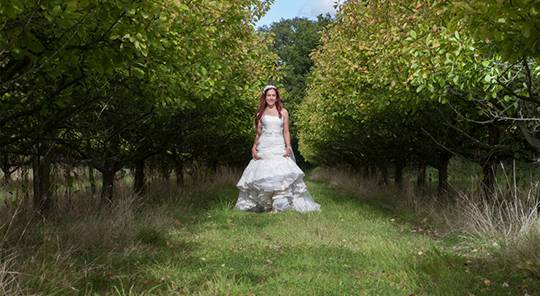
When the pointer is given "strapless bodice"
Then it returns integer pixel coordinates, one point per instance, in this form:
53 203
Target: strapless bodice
272 125
271 142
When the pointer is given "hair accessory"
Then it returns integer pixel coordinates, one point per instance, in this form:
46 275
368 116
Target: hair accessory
269 87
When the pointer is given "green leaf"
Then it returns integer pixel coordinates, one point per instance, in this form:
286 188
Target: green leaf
57 10
71 5
32 42
12 8
203 72
183 7
137 72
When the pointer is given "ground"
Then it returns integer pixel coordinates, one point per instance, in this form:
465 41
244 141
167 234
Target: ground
351 247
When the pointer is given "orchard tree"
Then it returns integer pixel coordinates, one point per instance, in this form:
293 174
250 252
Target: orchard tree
103 80
401 58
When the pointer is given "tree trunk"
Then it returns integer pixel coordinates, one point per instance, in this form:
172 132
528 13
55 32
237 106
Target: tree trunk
7 176
165 173
41 167
214 165
488 179
108 184
384 174
6 168
179 170
488 165
372 172
398 173
444 160
92 180
421 174
366 171
139 185
69 180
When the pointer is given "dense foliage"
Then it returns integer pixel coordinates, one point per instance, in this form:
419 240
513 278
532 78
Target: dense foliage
413 82
293 41
112 83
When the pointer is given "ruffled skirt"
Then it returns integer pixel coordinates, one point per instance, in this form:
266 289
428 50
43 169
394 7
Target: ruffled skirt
275 183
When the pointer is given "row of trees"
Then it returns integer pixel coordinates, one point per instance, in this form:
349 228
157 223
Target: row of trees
416 82
293 41
110 84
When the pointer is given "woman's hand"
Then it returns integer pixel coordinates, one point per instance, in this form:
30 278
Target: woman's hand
254 153
288 151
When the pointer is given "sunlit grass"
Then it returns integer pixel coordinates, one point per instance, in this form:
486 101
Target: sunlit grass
199 245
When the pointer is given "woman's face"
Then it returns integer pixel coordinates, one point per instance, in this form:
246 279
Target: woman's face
271 97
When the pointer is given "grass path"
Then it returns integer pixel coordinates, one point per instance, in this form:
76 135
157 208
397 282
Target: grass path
350 248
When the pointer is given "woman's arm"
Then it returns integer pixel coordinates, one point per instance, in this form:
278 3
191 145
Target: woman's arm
256 142
286 133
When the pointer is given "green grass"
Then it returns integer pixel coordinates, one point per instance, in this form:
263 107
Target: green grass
351 247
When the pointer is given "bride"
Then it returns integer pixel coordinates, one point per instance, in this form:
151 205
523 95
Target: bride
272 180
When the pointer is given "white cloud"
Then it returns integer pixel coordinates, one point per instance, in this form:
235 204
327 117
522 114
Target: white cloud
322 7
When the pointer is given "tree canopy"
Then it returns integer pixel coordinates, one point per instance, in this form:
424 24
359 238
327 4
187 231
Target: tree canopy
113 83
402 82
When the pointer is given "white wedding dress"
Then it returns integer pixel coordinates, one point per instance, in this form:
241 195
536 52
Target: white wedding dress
274 181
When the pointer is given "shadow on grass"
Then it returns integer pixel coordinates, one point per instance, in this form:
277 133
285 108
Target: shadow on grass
162 254
271 268
216 250
446 273
321 270
443 271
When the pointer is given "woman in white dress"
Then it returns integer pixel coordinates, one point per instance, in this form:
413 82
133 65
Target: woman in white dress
272 180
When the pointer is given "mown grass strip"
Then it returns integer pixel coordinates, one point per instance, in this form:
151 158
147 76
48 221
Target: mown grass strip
350 248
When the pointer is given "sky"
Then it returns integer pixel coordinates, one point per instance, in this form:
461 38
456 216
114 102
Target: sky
287 9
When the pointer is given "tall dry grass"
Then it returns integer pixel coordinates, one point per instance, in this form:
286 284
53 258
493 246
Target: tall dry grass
33 245
402 197
12 228
509 214
9 283
195 179
510 218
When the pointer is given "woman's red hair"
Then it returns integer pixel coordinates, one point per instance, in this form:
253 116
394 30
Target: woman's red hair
262 105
